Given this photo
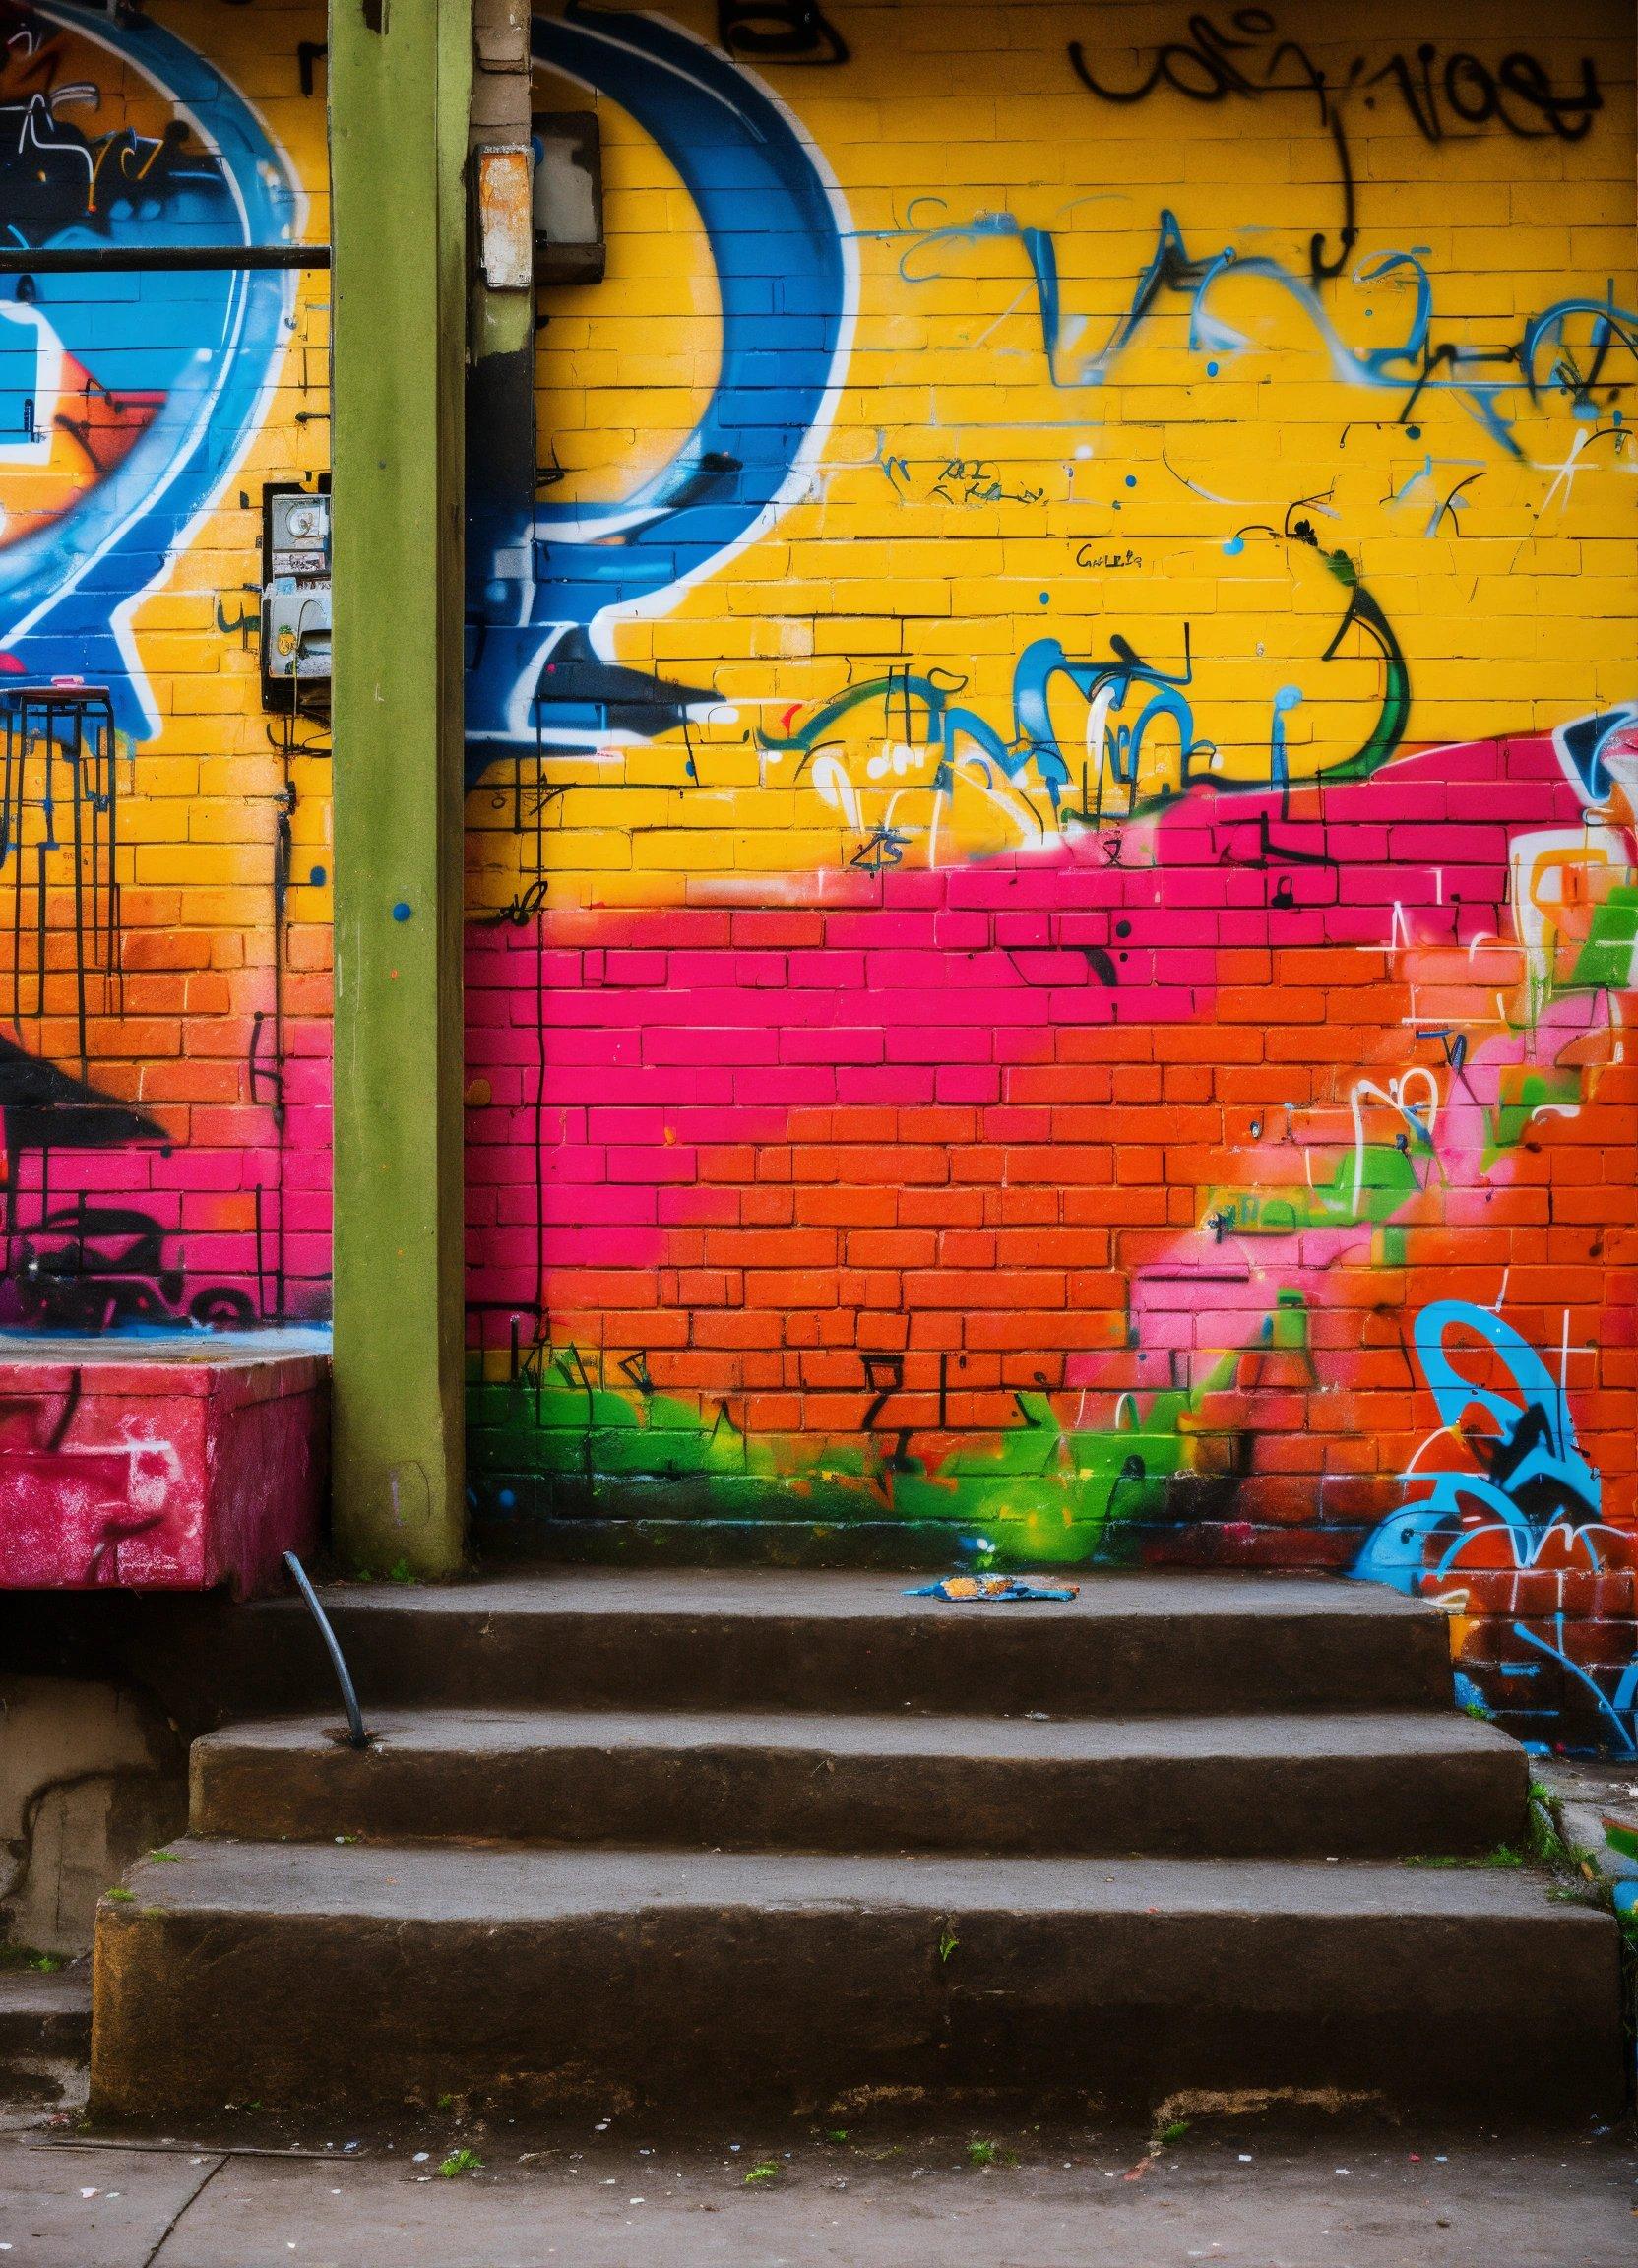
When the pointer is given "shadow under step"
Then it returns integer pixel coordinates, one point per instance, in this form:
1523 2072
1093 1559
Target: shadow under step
44 2033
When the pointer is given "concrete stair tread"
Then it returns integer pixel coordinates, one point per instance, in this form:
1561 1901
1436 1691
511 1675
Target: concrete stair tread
495 1885
32 1996
1364 1786
355 1977
764 1638
1315 1735
833 1594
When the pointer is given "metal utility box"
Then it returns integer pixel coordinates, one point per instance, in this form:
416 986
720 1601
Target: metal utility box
569 246
295 597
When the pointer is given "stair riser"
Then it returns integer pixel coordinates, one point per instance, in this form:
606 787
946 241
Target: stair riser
43 2048
746 1798
995 1661
793 2007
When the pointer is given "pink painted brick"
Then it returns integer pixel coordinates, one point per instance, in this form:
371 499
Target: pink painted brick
827 970
790 1086
885 1083
882 931
853 1044
692 1044
967 1082
652 1162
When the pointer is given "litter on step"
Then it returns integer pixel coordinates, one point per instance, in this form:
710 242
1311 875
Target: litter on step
990 1590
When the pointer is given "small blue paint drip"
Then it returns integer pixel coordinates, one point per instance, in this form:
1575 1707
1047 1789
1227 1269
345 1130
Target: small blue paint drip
1285 701
688 767
1586 411
1212 369
1234 546
317 877
1047 598
1413 433
1617 417
505 1498
1131 479
403 910
1117 503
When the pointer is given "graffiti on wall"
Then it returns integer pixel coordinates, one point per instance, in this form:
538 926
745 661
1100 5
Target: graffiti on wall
1049 983
1439 91
162 954
1518 1499
539 673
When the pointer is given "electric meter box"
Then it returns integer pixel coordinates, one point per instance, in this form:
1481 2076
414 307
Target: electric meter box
295 597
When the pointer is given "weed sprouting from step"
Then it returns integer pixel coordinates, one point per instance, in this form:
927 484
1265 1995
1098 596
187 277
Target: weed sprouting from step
764 2171
1548 1845
25 1957
461 2161
165 1858
982 2153
121 1896
947 1942
1503 1858
1163 2133
1478 1709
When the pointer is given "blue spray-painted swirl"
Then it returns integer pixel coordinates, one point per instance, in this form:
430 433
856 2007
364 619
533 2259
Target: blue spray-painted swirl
1535 1459
207 342
777 240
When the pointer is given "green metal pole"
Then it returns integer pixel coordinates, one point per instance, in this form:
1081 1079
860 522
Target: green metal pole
400 92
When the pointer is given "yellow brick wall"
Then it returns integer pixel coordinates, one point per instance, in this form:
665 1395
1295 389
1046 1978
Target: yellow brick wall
965 504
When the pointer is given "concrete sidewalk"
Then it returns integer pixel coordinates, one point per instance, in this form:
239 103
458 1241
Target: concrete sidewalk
606 2200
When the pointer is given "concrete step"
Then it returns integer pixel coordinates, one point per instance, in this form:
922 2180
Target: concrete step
644 1638
375 1978
44 2033
1367 1786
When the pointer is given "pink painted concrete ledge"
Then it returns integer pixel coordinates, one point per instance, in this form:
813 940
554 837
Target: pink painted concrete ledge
171 1461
